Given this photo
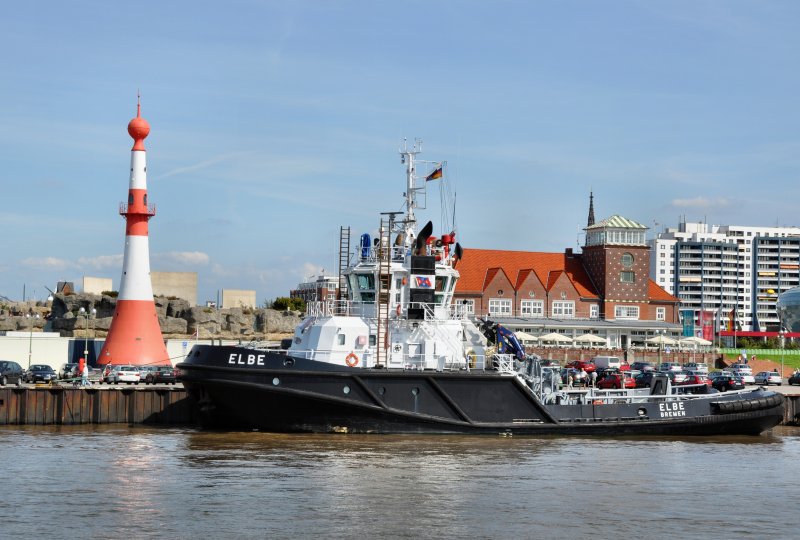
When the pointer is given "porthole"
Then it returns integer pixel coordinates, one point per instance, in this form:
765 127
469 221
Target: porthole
414 391
381 391
642 411
346 389
289 362
276 381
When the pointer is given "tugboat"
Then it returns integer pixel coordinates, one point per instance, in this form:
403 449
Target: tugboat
395 355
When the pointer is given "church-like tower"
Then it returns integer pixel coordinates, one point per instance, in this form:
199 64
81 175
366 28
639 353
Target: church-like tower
135 334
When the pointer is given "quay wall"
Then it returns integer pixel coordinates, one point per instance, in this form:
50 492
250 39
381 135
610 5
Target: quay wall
64 406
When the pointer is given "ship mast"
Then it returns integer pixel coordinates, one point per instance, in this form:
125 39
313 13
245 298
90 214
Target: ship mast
408 156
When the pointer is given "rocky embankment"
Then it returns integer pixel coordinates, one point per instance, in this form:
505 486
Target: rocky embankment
177 318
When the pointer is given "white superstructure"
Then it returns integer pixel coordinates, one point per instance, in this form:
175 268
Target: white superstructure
398 312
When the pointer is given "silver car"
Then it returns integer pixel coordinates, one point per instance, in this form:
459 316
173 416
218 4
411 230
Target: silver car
766 378
128 374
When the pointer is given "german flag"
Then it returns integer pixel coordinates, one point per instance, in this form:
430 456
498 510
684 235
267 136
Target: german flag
437 173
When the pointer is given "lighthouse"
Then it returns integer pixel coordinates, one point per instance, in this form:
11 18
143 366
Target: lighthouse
134 336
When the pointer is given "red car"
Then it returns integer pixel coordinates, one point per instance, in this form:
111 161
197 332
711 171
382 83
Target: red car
578 364
615 380
696 379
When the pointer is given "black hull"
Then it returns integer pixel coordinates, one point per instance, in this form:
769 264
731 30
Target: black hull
282 394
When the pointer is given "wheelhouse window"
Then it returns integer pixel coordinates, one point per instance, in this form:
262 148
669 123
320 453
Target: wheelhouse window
531 308
500 306
363 286
563 308
626 312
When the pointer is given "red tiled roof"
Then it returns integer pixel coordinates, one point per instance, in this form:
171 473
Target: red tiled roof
655 292
474 264
479 266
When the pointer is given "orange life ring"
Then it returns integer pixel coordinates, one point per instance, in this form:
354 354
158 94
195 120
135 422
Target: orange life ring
351 359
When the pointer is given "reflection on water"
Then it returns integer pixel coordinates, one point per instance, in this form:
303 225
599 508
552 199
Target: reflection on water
106 481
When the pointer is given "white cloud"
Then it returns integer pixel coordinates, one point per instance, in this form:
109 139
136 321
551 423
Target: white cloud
50 263
201 165
102 262
702 202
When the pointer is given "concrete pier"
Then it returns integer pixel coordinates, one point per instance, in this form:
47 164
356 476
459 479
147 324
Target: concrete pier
44 405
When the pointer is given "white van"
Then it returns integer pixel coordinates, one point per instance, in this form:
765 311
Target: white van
605 362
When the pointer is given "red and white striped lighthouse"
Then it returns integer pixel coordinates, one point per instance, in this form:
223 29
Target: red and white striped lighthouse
134 336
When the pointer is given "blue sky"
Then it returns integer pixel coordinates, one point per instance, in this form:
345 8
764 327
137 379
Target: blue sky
275 123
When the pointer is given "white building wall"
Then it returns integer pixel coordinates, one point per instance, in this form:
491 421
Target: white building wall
663 260
96 285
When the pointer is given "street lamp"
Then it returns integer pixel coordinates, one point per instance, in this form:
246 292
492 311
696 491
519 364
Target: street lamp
782 335
88 315
31 318
660 334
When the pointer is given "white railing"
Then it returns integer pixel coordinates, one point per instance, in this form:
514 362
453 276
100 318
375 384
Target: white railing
366 359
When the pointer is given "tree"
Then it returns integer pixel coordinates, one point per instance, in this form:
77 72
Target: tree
294 304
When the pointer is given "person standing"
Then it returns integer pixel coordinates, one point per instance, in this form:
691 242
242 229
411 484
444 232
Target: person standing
85 375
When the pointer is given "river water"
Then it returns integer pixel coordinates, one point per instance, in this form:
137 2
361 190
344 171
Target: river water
134 482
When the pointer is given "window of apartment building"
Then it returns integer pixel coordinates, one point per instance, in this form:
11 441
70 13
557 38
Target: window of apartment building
594 311
500 306
661 313
626 312
662 271
531 308
626 276
663 263
563 308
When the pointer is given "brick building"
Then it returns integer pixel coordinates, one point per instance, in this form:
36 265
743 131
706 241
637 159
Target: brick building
606 289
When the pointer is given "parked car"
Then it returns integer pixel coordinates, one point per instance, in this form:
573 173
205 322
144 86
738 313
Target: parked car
10 372
40 372
161 375
616 380
696 378
565 374
643 366
677 377
578 364
696 367
126 374
669 366
644 379
767 377
744 372
144 371
601 362
795 378
548 362
726 382
68 371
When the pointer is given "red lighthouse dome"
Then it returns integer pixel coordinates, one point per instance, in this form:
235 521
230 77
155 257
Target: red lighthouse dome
138 129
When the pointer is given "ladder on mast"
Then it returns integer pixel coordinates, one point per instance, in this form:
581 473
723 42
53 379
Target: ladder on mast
344 261
384 287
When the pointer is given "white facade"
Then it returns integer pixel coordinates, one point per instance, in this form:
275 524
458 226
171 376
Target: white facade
725 268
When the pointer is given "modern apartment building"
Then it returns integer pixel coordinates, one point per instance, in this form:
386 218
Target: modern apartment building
735 272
